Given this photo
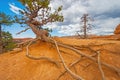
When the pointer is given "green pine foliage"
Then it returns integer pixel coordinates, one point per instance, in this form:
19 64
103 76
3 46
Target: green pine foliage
32 8
5 20
7 41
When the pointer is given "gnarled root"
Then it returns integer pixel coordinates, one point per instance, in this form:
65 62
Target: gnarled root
100 67
77 77
52 41
39 58
87 56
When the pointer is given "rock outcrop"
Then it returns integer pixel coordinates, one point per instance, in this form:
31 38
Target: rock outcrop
117 29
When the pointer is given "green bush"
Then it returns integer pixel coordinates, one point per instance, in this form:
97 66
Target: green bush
7 41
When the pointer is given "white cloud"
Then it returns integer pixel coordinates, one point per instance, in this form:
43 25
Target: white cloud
102 6
69 29
106 14
14 8
105 26
51 26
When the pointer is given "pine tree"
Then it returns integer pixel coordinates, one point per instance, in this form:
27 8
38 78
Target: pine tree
7 41
36 14
4 20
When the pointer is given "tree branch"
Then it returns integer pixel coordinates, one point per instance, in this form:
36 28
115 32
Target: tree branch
23 31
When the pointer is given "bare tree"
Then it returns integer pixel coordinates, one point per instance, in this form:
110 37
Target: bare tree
86 26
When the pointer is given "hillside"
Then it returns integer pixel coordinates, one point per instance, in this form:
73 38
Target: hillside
15 65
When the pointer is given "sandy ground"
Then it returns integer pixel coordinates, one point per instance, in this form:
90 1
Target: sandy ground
16 66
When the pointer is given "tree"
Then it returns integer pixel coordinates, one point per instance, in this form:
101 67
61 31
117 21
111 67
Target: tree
7 41
4 20
86 27
37 13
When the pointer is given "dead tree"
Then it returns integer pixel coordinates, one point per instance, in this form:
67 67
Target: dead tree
86 27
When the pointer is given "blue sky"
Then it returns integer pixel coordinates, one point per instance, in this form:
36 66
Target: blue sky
4 6
13 29
106 14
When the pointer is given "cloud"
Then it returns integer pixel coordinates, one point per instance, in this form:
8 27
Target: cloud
69 29
14 9
106 14
105 26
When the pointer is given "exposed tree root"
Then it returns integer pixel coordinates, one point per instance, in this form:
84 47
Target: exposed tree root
75 49
22 44
80 47
89 57
39 58
77 77
71 65
89 45
44 58
94 51
100 67
75 62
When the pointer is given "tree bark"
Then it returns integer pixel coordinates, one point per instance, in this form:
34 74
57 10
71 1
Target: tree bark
40 33
1 47
85 26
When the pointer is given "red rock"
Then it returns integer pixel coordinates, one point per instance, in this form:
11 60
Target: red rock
117 30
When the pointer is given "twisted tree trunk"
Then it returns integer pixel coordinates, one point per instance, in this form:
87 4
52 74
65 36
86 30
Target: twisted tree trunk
40 33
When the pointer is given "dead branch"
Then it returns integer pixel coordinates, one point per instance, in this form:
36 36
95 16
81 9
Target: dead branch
22 31
65 66
100 67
